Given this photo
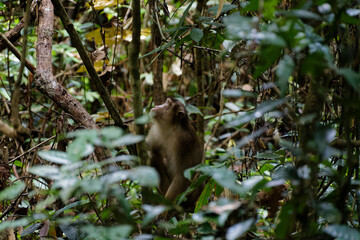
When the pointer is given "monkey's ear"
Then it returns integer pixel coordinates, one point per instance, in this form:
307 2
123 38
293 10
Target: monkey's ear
181 113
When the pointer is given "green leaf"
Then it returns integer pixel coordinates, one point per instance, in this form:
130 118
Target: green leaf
127 139
146 176
193 109
329 212
30 229
239 27
342 232
70 231
55 157
284 70
237 230
78 149
263 108
84 133
50 172
268 156
115 232
302 14
111 132
351 76
237 93
152 212
286 220
196 34
14 224
224 177
12 191
205 195
226 7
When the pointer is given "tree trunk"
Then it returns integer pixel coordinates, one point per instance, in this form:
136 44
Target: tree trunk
133 64
94 77
157 65
200 79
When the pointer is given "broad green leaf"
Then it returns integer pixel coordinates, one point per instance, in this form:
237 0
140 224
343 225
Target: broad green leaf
30 229
43 204
13 191
55 157
69 206
269 54
223 208
224 177
70 231
146 176
152 212
4 93
127 139
50 172
14 224
84 133
351 76
342 232
237 230
78 149
329 212
239 27
270 8
196 34
223 9
144 119
284 70
111 132
193 109
302 14
237 93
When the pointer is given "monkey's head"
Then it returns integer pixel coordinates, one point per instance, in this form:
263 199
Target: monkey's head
172 112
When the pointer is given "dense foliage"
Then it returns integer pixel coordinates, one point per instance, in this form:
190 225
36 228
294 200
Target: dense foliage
276 84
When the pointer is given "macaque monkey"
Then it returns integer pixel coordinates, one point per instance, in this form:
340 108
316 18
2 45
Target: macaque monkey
173 147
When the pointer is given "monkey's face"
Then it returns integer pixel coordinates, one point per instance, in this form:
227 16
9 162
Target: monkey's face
170 112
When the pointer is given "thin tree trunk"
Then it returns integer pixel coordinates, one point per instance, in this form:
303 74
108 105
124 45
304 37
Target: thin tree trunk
305 192
45 79
200 79
157 65
133 64
15 98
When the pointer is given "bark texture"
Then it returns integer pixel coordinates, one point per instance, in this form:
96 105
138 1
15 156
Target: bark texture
135 78
200 79
157 65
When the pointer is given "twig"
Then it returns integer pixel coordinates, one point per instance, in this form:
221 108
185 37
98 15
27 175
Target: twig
31 149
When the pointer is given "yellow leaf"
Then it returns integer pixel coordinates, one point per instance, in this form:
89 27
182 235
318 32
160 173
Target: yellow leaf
111 35
231 143
101 4
97 65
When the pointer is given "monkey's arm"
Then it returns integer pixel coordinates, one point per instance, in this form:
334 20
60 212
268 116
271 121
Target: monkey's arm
177 186
157 162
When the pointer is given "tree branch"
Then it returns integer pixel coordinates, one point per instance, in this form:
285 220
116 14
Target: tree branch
94 77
